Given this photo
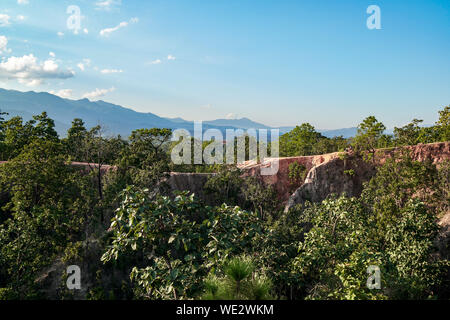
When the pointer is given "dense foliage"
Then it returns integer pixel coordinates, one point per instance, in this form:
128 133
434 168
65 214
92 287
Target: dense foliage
181 239
304 140
100 201
238 280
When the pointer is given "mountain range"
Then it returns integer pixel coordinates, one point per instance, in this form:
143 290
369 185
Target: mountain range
117 119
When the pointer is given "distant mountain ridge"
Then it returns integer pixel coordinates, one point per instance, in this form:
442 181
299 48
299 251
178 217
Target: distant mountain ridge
116 119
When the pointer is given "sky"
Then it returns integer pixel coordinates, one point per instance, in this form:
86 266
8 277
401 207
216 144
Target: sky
281 63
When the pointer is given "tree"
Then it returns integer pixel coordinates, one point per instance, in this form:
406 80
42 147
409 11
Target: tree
345 240
225 186
145 158
304 140
2 135
399 180
180 239
263 198
443 124
17 134
44 128
239 281
329 145
370 131
99 151
408 135
277 248
48 209
392 226
300 141
76 135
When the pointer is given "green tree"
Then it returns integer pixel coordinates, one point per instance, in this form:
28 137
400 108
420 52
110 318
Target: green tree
48 209
345 240
225 186
408 135
399 180
329 145
76 135
145 159
392 226
2 135
44 127
18 134
262 198
300 141
370 131
99 151
443 124
181 240
304 140
239 281
277 248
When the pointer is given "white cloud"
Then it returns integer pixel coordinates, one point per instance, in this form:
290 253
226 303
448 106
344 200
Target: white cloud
171 57
106 32
157 61
231 116
60 34
52 54
109 71
31 82
107 4
98 93
23 2
49 66
28 70
4 20
86 63
63 93
3 45
85 30
20 17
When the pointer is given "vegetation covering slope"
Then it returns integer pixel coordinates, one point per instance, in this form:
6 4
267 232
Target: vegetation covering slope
154 245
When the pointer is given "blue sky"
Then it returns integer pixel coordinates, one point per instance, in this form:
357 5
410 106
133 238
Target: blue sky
276 62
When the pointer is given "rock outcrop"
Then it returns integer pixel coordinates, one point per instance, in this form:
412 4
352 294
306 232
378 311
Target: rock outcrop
337 173
192 182
280 181
334 177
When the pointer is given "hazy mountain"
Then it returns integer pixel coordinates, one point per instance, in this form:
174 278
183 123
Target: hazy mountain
243 123
114 118
346 133
176 120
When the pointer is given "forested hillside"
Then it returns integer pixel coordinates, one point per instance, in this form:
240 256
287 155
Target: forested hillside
133 238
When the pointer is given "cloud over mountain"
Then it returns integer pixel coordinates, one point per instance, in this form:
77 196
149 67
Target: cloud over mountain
97 93
29 71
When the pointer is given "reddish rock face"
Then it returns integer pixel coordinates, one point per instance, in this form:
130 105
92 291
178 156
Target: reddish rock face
325 172
436 152
280 181
331 168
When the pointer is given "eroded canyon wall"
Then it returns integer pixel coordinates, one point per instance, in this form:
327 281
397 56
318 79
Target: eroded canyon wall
336 173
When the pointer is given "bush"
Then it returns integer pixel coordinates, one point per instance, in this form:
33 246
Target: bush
181 241
239 281
392 226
